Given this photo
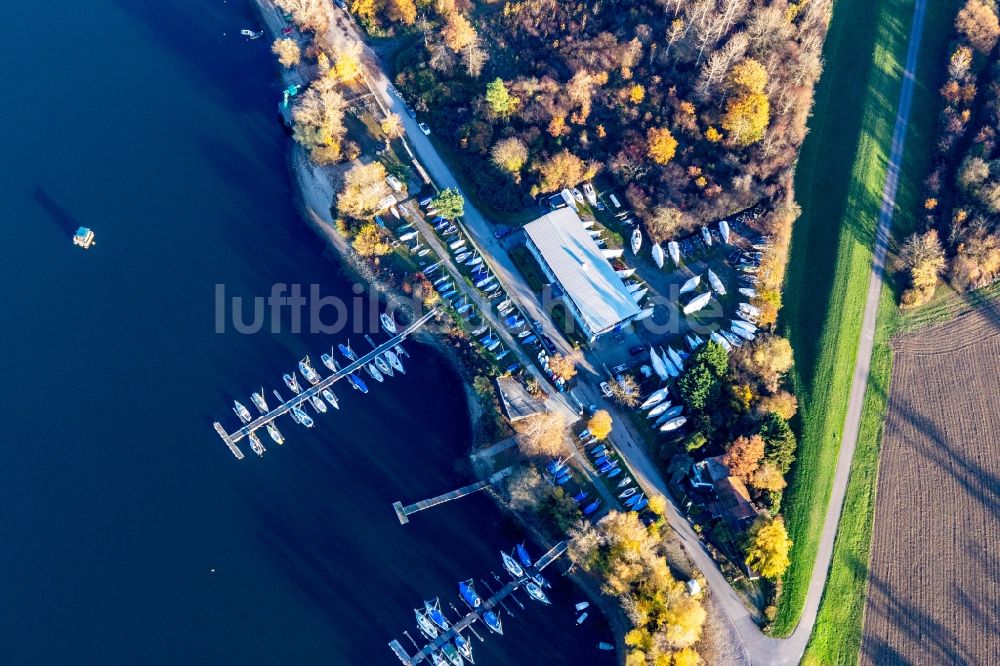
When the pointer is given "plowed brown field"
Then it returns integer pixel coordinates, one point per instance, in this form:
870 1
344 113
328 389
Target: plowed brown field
934 583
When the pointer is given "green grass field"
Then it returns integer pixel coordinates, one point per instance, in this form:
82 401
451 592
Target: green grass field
839 185
836 637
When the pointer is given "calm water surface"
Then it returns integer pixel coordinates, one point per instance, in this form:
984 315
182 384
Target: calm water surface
154 123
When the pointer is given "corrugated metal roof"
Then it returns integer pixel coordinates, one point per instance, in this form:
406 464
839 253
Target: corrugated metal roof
580 267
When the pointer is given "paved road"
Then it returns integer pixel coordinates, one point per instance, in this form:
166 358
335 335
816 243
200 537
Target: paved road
761 650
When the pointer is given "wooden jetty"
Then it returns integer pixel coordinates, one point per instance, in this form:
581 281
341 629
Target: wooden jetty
232 438
445 636
402 512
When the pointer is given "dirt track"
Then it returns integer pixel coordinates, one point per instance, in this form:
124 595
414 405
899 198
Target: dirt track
934 584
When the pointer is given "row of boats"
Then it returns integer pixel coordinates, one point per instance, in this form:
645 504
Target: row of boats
383 365
433 624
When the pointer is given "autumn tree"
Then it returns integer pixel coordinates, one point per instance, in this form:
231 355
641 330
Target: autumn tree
563 366
347 61
308 15
449 204
370 241
542 435
768 477
977 260
977 22
665 222
768 547
403 11
765 360
599 424
686 657
748 110
318 121
364 187
510 155
392 126
458 33
782 403
923 258
744 456
624 390
499 99
662 144
288 52
564 169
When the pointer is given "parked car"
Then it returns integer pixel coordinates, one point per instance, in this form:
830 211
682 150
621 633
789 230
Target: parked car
537 325
409 111
550 346
424 128
606 389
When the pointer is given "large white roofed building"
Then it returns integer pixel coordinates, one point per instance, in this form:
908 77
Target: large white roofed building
571 259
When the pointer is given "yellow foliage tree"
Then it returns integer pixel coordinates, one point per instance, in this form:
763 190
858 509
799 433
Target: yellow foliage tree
599 424
370 242
510 155
563 366
347 61
768 477
458 32
746 118
768 548
686 657
288 52
713 135
364 187
748 75
542 434
658 505
404 11
636 93
564 169
662 144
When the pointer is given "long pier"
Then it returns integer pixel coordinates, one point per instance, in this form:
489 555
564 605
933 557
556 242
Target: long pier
402 512
232 438
445 636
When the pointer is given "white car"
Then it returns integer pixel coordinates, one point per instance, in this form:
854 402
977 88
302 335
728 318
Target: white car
424 128
606 389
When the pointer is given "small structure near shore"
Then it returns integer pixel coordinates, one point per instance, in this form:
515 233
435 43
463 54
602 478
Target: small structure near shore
83 237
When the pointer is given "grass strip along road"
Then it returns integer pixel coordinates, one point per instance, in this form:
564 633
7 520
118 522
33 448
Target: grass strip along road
837 635
839 182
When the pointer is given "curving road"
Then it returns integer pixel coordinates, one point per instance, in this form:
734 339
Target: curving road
759 649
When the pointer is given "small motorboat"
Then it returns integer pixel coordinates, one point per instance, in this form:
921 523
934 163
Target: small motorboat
242 411
659 409
734 340
627 493
292 382
671 413
305 367
631 501
654 398
581 497
259 402
718 339
624 482
357 383
600 461
329 396
675 358
605 646
592 507
302 417
425 625
329 362
250 34
690 285
275 434
394 361
613 473
318 404
433 611
724 231
388 323
348 352
464 647
536 593
383 366
409 235
698 303
511 565
675 252
582 606
636 240
743 333
640 505
469 594
522 554
255 443
706 236
475 261
375 373
749 292
716 283
673 424
590 194
457 244
577 194
598 451
462 257
441 280
581 619
492 622
450 653
658 255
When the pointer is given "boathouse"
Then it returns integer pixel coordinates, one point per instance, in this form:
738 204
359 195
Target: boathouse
586 283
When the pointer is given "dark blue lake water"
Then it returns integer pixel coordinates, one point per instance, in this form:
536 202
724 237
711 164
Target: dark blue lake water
154 123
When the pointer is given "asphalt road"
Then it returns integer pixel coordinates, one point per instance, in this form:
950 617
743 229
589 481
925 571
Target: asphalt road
759 649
